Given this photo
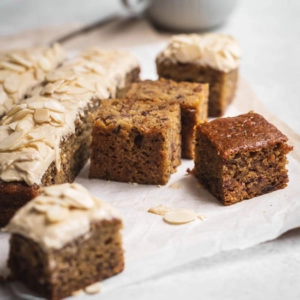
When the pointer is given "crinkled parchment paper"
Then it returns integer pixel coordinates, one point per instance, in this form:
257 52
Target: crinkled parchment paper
153 246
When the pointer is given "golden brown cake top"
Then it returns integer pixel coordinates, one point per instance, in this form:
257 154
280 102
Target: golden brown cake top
22 69
188 94
31 132
247 132
60 214
215 50
145 115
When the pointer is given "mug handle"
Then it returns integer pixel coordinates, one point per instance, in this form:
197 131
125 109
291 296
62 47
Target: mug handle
135 6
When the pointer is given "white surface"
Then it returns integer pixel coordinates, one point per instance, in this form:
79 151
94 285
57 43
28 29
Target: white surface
269 34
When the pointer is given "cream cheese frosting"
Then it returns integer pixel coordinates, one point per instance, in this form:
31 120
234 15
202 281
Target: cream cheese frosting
60 214
31 132
22 69
218 51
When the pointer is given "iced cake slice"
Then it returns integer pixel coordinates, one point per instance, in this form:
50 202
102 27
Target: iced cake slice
136 141
241 157
192 98
20 70
46 139
206 58
64 240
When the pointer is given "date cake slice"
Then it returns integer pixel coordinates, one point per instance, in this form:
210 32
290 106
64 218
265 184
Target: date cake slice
192 98
136 141
46 139
64 240
20 70
206 58
241 157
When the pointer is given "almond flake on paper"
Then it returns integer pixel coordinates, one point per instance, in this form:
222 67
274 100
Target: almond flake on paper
175 185
176 216
94 288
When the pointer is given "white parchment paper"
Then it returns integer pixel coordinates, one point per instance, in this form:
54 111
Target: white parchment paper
153 246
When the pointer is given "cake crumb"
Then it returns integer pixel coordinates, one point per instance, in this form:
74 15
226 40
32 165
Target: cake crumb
175 185
94 288
201 217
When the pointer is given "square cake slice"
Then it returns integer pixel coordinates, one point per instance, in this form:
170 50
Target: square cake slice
22 69
241 157
192 98
136 141
46 139
206 58
64 240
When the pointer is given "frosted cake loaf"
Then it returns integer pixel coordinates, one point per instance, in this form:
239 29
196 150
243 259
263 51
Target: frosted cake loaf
46 140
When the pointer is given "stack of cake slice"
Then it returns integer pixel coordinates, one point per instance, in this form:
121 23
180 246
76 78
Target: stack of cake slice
192 98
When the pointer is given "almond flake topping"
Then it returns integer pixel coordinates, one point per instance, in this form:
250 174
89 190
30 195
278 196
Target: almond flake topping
56 201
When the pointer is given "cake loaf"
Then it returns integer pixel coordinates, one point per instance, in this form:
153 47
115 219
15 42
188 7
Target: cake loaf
206 58
46 139
20 70
64 240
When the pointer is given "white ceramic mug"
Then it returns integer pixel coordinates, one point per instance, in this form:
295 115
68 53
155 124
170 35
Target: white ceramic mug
186 15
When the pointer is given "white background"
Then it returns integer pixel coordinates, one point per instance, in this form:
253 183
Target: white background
269 34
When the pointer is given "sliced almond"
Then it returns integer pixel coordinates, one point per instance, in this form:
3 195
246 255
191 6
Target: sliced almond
54 106
78 199
3 95
11 141
41 208
41 115
25 125
180 216
12 67
21 60
159 210
56 214
4 74
21 114
39 74
45 64
11 83
57 118
94 288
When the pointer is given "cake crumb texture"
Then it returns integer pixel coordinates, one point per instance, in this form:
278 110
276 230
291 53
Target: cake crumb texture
241 157
136 141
